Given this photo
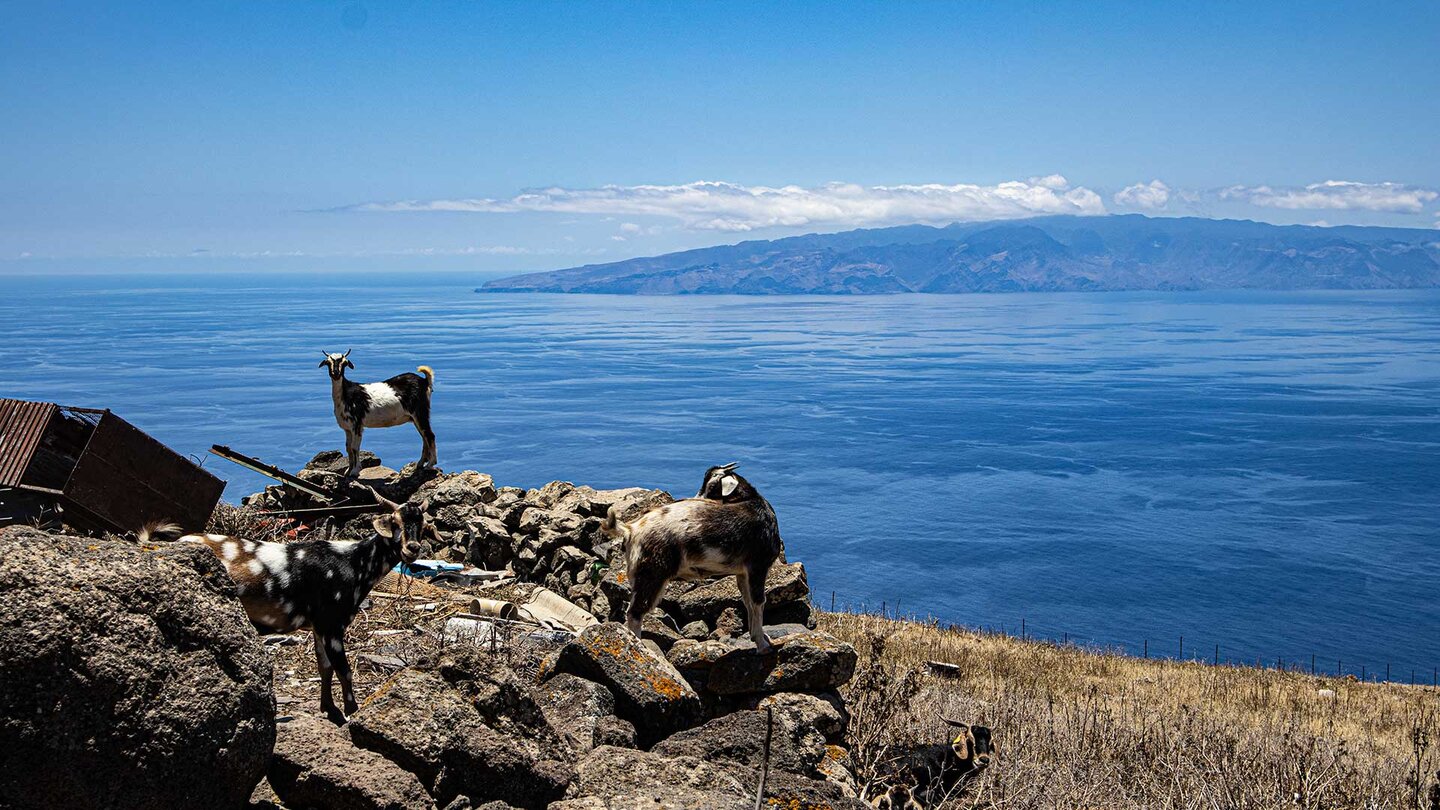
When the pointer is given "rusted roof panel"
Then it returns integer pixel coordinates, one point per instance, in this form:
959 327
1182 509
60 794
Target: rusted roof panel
22 426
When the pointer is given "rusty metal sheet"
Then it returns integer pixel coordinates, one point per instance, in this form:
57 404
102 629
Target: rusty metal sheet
126 479
22 426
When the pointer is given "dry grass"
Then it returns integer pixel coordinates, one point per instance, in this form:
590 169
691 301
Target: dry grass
1086 729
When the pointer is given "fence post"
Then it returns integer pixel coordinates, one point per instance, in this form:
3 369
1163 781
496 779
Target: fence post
832 601
1022 628
1362 673
1312 663
1182 648
1387 673
1146 648
1217 655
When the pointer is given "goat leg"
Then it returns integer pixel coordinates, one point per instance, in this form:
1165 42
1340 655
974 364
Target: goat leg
645 594
341 662
752 591
327 697
352 450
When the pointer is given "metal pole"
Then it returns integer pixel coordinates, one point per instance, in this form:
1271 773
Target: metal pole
1182 648
1217 655
1146 648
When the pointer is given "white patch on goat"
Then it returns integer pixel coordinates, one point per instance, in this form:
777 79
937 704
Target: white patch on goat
216 538
229 551
276 560
329 573
256 567
299 553
342 546
334 645
192 538
338 596
385 408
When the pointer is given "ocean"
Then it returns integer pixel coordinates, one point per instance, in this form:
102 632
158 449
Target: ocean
1254 470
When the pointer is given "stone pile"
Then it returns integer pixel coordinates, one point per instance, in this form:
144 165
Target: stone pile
598 721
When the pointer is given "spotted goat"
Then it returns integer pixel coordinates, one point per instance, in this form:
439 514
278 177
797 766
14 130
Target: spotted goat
727 528
400 399
316 584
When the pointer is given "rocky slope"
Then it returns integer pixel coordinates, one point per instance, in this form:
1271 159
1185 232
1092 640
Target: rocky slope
168 692
1130 252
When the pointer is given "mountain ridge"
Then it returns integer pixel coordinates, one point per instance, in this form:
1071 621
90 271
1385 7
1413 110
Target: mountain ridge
1043 254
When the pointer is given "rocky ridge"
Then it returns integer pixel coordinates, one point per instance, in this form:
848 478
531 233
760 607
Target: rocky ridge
586 721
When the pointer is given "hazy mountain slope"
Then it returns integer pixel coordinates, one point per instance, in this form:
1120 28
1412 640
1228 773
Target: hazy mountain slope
1130 252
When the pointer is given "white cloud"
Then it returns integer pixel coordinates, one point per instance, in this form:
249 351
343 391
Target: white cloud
1340 195
1152 195
630 228
718 206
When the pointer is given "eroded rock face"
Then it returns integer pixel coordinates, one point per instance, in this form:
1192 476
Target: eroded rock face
648 691
802 662
433 729
316 765
624 779
578 709
125 673
739 738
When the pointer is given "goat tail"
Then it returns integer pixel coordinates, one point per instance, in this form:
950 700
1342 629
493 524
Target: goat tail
159 531
429 377
613 526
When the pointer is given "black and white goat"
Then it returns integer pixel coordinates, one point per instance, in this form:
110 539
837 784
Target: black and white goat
727 528
319 584
400 399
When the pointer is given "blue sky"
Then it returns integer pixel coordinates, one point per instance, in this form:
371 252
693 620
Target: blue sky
498 137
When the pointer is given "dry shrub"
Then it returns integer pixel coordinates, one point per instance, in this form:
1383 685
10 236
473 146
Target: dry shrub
1082 728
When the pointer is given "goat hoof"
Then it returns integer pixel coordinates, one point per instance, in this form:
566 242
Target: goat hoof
335 716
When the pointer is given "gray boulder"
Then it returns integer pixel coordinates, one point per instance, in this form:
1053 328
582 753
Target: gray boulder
802 662
129 677
317 766
436 731
648 691
624 779
583 713
739 738
785 583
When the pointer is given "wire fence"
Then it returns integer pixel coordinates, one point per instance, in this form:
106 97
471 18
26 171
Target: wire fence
1169 648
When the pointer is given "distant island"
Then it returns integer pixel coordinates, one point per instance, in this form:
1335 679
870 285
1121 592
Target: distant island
1122 252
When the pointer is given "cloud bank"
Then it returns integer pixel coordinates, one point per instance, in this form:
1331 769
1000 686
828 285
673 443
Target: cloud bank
1338 195
1152 195
718 206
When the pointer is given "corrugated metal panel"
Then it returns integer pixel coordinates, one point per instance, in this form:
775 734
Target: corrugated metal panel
22 426
126 478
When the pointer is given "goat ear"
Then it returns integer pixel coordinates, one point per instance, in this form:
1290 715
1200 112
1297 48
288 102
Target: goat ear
324 363
349 364
384 526
728 485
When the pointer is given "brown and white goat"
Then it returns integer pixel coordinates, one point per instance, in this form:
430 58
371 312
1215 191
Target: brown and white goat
727 528
316 584
400 399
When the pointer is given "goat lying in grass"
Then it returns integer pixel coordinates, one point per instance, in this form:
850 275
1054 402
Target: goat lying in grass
727 528
318 584
938 771
400 399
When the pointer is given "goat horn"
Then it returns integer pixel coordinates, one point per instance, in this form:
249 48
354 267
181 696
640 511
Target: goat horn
956 723
732 465
347 352
382 500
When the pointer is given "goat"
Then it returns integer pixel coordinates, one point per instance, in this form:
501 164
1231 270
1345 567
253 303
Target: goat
400 399
727 528
318 584
938 770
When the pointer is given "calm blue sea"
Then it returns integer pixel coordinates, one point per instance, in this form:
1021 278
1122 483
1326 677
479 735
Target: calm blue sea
1252 469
